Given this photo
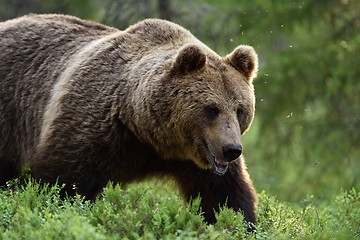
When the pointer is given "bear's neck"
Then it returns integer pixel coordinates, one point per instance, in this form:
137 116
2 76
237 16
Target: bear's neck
140 103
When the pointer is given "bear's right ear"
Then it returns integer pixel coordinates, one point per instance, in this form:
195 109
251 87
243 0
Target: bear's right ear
191 58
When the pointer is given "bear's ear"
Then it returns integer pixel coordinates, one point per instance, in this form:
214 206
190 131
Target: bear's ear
245 60
189 59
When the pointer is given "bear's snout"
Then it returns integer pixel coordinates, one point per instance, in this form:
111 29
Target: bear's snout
232 152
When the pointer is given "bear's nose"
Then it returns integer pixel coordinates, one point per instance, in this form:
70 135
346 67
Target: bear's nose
232 152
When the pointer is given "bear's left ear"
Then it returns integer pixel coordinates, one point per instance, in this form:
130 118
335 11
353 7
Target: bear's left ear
189 59
245 60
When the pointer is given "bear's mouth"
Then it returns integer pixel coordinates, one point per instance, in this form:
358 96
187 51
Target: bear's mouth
218 166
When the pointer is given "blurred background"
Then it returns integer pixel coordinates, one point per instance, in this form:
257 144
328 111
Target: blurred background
305 140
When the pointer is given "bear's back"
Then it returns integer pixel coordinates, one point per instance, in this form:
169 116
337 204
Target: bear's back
35 39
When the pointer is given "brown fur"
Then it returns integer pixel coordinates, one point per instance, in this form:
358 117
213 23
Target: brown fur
84 103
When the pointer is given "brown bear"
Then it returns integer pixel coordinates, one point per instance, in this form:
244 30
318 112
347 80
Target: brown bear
83 103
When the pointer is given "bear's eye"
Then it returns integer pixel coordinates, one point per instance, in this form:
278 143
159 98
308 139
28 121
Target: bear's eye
239 113
212 112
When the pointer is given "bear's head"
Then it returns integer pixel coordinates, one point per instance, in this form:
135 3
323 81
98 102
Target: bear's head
201 106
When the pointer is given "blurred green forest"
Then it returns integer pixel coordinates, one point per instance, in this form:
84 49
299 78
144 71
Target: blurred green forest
305 140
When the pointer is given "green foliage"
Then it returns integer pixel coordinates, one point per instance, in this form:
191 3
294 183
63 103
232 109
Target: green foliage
142 212
147 211
308 101
32 211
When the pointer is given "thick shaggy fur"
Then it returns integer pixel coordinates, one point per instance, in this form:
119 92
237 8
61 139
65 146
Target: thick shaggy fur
85 103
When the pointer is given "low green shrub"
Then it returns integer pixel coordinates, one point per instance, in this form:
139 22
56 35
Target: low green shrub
153 211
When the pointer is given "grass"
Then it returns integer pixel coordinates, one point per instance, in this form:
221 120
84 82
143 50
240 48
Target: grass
153 211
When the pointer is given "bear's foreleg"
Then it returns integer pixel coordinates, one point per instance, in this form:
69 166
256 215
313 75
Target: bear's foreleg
8 171
77 169
234 189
